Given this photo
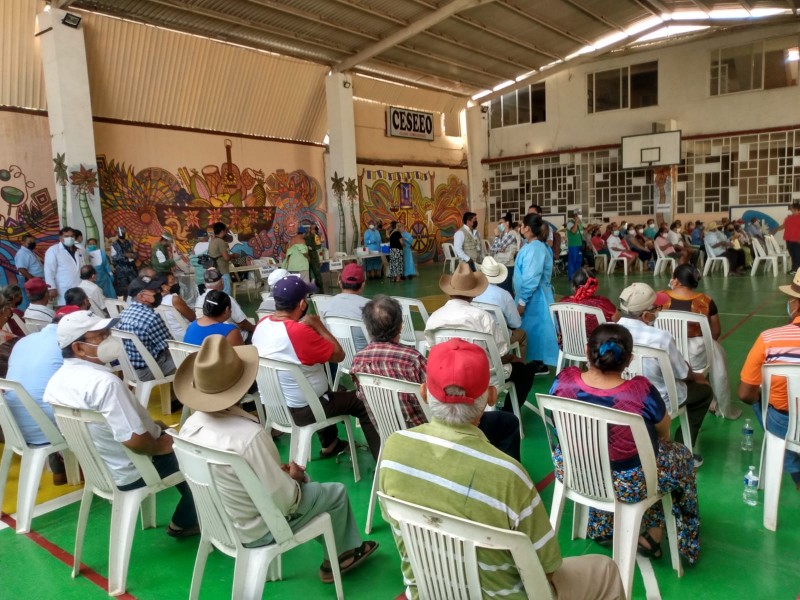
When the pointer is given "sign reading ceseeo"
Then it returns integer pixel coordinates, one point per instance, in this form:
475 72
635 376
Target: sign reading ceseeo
401 122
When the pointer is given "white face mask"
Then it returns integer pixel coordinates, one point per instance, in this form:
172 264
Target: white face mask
372 226
639 230
109 349
69 241
651 225
631 232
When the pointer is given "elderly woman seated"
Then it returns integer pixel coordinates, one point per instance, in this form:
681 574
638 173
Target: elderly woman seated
584 291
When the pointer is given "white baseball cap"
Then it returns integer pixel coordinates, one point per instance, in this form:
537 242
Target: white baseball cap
74 325
276 276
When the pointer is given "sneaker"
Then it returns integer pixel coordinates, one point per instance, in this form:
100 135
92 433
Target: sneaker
540 368
698 461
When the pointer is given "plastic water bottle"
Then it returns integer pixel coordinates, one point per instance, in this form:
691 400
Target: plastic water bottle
750 494
747 436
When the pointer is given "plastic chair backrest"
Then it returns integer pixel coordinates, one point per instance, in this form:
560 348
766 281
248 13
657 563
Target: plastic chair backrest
272 394
342 329
570 319
637 367
382 395
74 424
20 323
759 251
165 310
200 466
407 335
318 301
34 325
676 322
484 340
792 375
180 350
499 318
442 550
614 245
13 434
115 306
582 432
448 251
127 367
773 249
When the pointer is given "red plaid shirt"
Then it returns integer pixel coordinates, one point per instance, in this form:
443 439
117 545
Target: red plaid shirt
398 362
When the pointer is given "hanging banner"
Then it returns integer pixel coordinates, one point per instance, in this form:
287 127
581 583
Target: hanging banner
401 122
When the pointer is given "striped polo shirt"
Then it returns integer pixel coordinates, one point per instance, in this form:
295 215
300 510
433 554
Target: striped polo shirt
455 470
778 345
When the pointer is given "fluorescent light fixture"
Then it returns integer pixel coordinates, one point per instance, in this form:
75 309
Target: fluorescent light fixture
793 55
47 8
729 13
71 20
481 94
768 12
665 32
505 84
610 39
326 140
642 25
682 15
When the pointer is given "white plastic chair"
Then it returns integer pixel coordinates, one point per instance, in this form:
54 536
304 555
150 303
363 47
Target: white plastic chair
381 395
115 306
318 301
450 259
342 329
762 256
442 550
774 448
278 415
616 256
34 325
487 248
253 566
600 260
497 374
409 336
773 249
143 389
582 430
33 457
74 424
676 411
167 311
677 322
500 319
713 261
663 262
570 319
260 314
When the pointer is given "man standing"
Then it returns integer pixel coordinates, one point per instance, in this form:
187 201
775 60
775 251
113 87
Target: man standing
638 305
161 255
62 263
349 303
37 291
462 287
312 241
141 318
219 251
535 209
28 264
93 291
493 294
123 257
85 381
791 234
211 382
574 244
449 466
213 281
464 243
780 345
291 335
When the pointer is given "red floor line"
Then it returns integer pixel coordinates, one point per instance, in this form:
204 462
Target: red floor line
65 557
745 318
547 480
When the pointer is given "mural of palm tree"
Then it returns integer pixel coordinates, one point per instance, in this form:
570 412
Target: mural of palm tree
337 185
62 180
86 180
351 189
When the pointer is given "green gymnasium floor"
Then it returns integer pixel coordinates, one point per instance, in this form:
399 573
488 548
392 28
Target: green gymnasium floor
740 559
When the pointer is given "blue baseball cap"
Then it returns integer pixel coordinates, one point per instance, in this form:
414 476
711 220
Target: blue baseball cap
292 289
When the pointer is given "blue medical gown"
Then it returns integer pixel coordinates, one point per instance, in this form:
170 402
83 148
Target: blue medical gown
533 268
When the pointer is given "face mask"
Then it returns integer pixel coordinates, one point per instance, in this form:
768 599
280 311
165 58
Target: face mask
69 241
110 349
631 232
651 225
157 300
31 246
372 226
175 289
92 248
672 287
639 230
501 228
789 308
122 236
305 310
475 225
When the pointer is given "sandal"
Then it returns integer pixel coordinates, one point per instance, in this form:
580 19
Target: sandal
653 550
606 541
341 446
348 560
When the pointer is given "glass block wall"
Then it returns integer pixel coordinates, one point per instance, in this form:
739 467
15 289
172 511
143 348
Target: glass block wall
715 173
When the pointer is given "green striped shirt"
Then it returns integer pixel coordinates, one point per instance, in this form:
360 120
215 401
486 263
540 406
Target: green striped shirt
455 470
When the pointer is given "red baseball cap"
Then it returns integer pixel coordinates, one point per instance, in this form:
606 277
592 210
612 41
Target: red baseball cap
67 310
353 273
36 285
460 363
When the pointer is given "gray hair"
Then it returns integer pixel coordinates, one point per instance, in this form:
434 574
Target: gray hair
383 318
457 414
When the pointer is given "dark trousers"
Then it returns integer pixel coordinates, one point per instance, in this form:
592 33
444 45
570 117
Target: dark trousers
794 252
501 428
698 399
185 514
735 258
337 404
522 375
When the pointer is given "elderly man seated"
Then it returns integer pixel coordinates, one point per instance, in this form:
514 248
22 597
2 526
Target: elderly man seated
496 274
350 301
211 382
215 281
449 466
386 356
38 296
93 291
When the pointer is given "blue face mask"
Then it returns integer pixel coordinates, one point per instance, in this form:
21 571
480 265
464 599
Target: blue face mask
501 228
92 248
789 308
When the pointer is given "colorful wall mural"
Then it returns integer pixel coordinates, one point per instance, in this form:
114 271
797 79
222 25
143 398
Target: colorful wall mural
431 212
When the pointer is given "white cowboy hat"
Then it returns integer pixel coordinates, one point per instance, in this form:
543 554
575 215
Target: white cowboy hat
494 271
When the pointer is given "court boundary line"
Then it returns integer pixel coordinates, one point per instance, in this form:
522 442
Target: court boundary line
748 316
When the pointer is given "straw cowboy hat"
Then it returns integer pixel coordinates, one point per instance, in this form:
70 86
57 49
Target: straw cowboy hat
793 289
463 282
217 376
494 271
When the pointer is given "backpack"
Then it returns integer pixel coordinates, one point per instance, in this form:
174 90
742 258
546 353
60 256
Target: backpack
206 261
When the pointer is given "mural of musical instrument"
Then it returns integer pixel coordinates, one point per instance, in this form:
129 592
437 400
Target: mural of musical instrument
231 177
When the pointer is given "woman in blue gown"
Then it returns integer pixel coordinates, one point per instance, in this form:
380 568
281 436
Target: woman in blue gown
409 268
105 276
533 268
372 242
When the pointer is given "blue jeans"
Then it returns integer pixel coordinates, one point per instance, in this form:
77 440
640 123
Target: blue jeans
778 424
574 260
226 283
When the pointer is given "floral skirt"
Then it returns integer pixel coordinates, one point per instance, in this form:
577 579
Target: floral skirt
396 262
676 476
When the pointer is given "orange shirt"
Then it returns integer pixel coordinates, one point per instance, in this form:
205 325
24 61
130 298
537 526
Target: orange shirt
778 345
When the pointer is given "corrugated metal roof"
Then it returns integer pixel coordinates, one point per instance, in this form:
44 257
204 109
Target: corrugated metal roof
20 66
